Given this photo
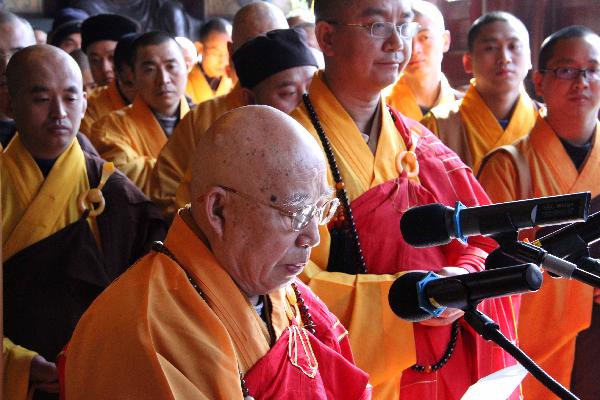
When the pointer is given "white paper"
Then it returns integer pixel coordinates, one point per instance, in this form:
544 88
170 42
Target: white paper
497 386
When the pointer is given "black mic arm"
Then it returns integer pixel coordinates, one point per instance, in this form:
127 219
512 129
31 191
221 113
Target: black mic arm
523 252
488 329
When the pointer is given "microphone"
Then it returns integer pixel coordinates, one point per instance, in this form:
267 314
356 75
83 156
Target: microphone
437 224
417 296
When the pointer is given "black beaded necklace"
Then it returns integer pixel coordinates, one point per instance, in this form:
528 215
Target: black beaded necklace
343 196
305 316
339 186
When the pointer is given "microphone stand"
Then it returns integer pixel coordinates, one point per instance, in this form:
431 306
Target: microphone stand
524 252
489 330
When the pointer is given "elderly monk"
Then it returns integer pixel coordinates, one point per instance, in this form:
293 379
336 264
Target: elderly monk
101 36
217 312
133 137
15 33
61 242
382 164
250 21
423 85
208 77
274 70
560 155
496 110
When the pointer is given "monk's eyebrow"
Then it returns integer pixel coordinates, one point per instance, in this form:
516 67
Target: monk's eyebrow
39 89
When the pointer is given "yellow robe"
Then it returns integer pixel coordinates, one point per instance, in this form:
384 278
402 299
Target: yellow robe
360 301
402 98
551 318
16 364
102 101
175 156
199 90
33 207
132 138
469 128
124 346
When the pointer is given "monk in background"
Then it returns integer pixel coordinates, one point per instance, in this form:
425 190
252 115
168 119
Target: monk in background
250 21
208 78
15 34
496 110
422 85
100 36
561 155
70 222
217 312
133 137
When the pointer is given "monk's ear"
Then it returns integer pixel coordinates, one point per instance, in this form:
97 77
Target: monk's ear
325 37
84 104
248 96
446 39
214 209
467 63
538 78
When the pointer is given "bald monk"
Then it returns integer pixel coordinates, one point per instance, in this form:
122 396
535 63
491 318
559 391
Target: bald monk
59 251
15 33
109 64
217 312
133 137
385 164
208 77
274 70
496 110
423 85
250 21
562 155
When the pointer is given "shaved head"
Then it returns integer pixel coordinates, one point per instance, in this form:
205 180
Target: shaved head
256 142
430 11
26 63
254 171
255 19
47 99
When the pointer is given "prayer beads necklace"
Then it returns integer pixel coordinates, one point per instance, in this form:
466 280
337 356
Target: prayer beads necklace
449 350
305 316
339 187
343 196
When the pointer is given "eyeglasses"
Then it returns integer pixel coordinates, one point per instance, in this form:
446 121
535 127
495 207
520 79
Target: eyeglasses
303 216
384 30
570 73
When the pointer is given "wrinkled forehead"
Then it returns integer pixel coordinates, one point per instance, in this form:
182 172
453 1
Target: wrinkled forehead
303 186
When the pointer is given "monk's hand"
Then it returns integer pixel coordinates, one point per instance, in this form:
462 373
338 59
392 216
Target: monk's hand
450 314
43 375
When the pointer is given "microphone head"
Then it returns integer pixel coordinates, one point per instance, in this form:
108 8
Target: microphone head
404 297
425 226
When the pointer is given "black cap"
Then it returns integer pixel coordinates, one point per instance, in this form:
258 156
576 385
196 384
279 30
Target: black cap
106 27
264 56
68 14
56 37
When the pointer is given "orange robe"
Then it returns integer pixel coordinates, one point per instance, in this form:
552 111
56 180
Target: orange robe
469 128
384 345
551 318
199 90
16 362
132 138
151 335
174 158
402 98
102 101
